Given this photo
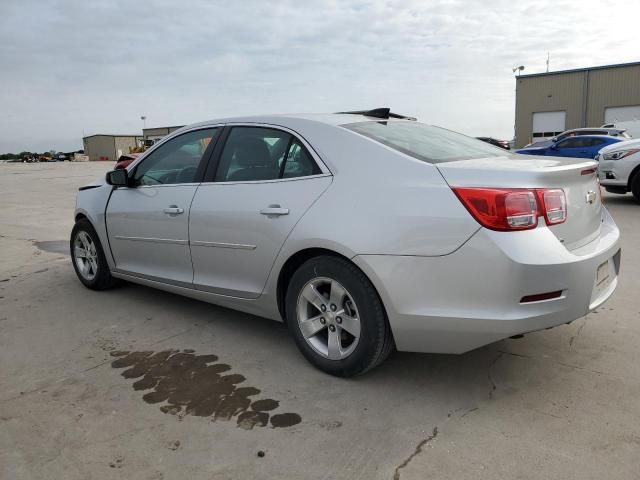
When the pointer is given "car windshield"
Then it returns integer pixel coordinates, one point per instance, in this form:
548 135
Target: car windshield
424 142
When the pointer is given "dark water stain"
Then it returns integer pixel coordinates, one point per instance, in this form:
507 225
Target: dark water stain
53 246
189 384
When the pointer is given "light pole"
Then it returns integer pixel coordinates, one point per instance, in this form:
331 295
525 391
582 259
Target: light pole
518 69
144 120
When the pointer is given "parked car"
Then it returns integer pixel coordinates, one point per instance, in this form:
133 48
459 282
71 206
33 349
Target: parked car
125 160
361 231
494 141
611 131
581 146
619 168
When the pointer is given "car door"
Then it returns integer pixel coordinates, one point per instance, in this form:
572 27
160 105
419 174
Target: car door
594 146
148 222
265 179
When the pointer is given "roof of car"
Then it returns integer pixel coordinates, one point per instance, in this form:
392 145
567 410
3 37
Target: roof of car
592 128
291 118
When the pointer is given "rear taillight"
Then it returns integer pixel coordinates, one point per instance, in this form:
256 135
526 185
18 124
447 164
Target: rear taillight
508 209
555 206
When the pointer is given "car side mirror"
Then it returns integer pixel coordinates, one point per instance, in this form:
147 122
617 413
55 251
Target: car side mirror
554 146
118 178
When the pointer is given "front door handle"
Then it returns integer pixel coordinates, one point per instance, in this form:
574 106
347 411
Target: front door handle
276 210
173 210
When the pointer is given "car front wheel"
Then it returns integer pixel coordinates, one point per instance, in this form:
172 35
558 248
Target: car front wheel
337 317
635 186
88 257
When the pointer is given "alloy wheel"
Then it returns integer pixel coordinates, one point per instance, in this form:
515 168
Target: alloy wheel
328 318
85 255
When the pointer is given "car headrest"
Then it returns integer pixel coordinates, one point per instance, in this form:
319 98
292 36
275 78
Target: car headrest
252 152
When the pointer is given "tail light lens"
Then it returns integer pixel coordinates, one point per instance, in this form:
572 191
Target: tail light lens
555 206
512 209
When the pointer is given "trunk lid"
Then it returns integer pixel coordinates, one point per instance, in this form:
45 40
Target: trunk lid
582 190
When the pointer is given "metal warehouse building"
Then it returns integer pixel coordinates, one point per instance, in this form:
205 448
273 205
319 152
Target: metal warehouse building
550 103
109 147
158 132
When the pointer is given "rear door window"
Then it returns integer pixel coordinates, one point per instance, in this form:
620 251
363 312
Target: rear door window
260 153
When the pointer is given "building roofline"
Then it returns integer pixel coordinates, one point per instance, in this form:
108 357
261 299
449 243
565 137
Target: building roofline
111 135
158 128
574 70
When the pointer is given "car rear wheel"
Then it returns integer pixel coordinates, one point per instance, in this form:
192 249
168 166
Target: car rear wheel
336 317
88 257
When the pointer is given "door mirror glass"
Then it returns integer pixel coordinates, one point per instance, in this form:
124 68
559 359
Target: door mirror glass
118 178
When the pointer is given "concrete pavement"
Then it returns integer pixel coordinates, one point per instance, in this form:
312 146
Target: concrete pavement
563 403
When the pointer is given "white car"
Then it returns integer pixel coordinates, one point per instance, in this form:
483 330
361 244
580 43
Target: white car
361 230
619 168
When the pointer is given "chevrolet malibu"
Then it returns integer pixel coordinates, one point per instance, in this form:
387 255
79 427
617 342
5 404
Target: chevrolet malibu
363 231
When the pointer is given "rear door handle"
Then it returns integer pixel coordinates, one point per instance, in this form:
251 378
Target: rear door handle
173 210
274 210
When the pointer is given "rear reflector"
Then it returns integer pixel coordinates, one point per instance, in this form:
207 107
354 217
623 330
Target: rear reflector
588 171
541 296
508 209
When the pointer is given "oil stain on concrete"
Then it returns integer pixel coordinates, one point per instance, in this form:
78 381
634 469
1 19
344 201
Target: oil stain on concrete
53 246
189 384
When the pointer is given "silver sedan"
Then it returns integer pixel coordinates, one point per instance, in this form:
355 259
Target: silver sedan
363 231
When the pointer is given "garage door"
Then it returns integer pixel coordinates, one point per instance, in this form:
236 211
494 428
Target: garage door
621 114
548 124
624 117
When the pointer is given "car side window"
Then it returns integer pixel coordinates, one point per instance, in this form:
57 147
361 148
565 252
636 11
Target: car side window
260 153
175 161
572 142
299 163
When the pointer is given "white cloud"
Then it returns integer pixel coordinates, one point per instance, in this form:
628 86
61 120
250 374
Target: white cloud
74 66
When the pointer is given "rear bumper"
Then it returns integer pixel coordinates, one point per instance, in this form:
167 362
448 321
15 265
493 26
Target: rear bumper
458 302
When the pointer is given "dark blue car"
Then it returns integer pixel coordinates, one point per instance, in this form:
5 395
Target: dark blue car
582 146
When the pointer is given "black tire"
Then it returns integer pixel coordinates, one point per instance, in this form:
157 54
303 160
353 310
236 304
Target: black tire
102 279
375 342
635 186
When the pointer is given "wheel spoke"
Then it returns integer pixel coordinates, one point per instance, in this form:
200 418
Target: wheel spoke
334 348
80 252
311 326
337 294
314 297
350 324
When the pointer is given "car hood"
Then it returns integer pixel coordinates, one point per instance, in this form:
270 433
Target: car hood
98 183
621 145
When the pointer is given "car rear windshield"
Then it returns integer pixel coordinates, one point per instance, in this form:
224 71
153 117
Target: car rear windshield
424 142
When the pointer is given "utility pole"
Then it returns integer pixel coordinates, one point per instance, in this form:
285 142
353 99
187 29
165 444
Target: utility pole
547 62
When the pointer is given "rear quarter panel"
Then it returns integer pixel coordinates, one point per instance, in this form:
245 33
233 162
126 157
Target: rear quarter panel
381 201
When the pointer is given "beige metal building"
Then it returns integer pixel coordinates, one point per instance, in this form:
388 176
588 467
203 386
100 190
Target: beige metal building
158 132
550 103
109 147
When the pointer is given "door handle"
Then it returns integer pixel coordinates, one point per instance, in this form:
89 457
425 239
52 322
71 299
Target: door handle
276 210
173 210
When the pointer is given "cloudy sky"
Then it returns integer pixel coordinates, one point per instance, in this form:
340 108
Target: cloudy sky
69 68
